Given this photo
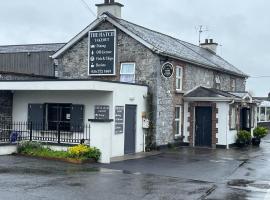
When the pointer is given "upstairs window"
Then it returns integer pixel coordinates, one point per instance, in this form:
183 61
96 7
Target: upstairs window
179 78
127 72
217 82
233 85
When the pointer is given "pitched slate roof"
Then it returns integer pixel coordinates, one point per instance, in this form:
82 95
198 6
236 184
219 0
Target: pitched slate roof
53 47
180 49
162 44
209 92
204 92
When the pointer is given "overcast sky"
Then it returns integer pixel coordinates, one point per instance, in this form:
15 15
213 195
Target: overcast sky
241 27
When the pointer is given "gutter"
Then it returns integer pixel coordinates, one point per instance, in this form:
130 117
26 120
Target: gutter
202 65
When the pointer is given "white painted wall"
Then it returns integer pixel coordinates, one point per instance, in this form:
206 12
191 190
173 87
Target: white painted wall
101 138
8 149
186 123
120 95
224 135
21 100
131 96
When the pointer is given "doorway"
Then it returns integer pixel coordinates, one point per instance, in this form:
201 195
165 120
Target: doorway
203 126
130 129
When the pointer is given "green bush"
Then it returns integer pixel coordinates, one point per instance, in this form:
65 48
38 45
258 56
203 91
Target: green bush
81 152
260 132
243 136
26 147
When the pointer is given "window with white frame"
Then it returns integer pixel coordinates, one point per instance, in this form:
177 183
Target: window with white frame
263 114
232 117
179 78
233 85
127 72
178 120
217 82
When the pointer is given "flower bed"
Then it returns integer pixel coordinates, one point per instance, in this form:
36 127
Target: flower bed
77 154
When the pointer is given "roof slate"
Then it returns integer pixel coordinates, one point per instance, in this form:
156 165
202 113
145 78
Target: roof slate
53 47
180 49
209 92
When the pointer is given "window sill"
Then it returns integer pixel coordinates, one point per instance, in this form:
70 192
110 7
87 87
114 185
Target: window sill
180 92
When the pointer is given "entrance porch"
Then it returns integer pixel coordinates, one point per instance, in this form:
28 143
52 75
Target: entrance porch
213 117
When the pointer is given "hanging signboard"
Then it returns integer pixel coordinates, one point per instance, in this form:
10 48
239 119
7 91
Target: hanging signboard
167 70
102 112
119 119
102 52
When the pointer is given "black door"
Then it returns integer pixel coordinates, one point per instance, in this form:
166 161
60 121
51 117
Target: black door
130 128
245 119
203 127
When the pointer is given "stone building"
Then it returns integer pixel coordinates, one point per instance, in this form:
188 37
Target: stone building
148 51
194 96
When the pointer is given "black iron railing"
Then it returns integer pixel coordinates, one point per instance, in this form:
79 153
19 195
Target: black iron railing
62 133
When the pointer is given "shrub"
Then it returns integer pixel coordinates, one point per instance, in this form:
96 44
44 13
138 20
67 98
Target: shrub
243 137
28 147
83 151
260 132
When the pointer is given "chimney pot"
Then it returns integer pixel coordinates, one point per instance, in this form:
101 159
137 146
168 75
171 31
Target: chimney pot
110 6
210 45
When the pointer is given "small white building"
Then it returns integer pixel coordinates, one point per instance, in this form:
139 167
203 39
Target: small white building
113 111
213 117
263 111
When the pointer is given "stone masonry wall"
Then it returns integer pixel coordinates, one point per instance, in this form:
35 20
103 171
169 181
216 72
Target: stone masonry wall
74 65
195 76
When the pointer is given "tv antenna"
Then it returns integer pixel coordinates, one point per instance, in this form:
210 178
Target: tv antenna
202 29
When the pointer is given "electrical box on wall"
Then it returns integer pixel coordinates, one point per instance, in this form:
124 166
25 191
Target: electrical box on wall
146 123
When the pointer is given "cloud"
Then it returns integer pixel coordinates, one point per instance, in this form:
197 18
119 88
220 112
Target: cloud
241 26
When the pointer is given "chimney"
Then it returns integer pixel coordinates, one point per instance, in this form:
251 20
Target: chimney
210 45
110 6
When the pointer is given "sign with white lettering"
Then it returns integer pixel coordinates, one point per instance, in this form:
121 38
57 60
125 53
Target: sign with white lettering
119 119
102 52
102 112
167 70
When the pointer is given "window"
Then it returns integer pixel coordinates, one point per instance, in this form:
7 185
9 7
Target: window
217 82
179 78
56 116
262 114
268 114
233 85
232 117
178 120
127 73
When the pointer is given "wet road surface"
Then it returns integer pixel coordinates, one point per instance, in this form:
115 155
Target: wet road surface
184 173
